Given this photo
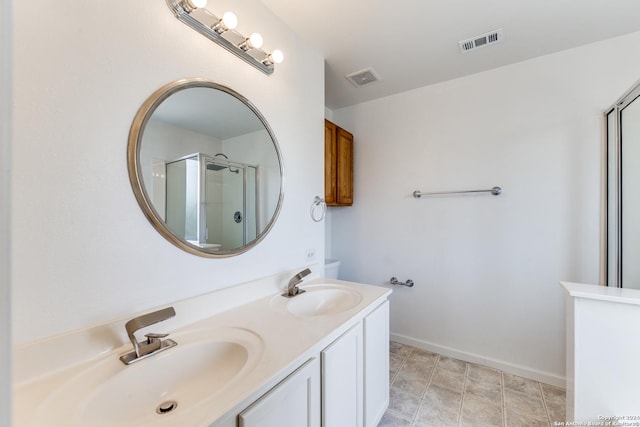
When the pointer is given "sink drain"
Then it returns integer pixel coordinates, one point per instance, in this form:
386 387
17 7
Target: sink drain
166 407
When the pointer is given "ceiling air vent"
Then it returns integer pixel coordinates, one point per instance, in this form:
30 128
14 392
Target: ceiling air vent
363 77
482 40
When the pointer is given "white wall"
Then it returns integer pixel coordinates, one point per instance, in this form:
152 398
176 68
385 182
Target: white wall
486 268
6 65
83 252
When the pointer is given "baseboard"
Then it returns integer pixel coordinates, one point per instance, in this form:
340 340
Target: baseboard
510 368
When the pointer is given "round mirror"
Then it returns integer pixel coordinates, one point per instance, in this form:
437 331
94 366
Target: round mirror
205 168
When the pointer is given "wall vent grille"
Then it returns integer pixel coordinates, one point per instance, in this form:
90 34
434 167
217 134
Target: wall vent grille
482 40
363 77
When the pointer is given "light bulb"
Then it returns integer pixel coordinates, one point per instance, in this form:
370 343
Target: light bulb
195 4
255 41
229 20
277 56
191 5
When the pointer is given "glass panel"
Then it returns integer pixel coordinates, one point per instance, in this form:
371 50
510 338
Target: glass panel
251 204
182 198
213 206
630 152
612 201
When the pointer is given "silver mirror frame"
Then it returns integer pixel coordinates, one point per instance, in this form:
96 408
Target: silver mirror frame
135 174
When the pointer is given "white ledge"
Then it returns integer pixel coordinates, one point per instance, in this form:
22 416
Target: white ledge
603 293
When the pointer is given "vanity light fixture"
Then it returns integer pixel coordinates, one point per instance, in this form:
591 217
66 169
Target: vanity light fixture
223 32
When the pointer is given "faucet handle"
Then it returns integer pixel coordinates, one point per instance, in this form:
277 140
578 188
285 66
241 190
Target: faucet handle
151 336
148 319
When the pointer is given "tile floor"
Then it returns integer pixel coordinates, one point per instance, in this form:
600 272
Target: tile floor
432 390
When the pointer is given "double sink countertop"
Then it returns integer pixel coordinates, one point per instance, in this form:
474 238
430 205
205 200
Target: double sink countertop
221 364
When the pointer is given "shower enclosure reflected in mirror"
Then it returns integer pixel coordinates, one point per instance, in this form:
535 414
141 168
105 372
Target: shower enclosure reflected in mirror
226 190
622 231
205 168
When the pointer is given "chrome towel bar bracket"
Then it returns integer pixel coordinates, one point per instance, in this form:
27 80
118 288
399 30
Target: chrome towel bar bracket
394 281
496 191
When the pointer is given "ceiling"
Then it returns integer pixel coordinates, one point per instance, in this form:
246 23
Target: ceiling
208 111
414 43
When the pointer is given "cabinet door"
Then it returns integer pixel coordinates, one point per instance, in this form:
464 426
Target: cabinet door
330 175
344 167
338 165
293 402
376 364
342 380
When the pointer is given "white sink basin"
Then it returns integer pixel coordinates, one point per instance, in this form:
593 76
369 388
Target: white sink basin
109 393
323 299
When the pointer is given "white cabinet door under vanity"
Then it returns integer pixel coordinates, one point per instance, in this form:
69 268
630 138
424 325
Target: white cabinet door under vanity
355 373
342 384
293 402
376 364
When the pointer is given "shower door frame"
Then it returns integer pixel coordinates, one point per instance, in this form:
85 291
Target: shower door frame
617 108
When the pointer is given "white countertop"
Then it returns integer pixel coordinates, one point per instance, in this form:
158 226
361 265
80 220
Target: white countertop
288 341
603 293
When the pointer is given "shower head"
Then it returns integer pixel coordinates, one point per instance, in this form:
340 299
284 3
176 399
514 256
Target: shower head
214 167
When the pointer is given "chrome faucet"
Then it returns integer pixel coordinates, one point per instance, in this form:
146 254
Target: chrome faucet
292 288
154 343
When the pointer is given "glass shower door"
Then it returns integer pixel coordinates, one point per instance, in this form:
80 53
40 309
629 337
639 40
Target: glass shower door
623 192
630 183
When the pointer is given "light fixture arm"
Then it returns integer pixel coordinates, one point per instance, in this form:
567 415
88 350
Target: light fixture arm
185 16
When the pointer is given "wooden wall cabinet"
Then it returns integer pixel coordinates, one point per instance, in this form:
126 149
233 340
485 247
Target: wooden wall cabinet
338 165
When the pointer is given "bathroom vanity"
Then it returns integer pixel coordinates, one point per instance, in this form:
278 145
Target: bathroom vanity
603 349
242 356
245 356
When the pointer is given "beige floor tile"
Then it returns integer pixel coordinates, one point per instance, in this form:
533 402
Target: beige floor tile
453 380
554 399
412 381
484 389
423 357
522 385
395 362
480 412
403 403
484 373
399 349
553 394
389 419
442 397
515 419
424 367
524 404
453 365
435 414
